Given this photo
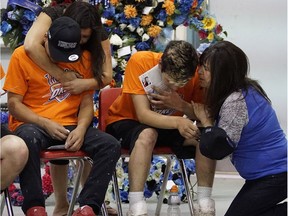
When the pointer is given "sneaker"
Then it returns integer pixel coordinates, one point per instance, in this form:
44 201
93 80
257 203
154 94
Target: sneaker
84 211
204 207
36 211
138 209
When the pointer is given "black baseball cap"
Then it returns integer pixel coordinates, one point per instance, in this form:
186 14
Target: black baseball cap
215 144
64 37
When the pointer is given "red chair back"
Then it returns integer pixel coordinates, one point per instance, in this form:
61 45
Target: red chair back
106 97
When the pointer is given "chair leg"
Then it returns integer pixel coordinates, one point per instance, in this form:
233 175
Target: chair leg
76 186
104 210
8 203
117 193
164 184
2 203
186 184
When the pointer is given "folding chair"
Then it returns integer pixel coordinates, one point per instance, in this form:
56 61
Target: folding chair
106 97
81 157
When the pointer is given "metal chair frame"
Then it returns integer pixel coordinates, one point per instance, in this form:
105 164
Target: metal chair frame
81 157
106 97
5 199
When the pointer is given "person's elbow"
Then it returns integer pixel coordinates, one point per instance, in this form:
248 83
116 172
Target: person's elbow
28 47
106 79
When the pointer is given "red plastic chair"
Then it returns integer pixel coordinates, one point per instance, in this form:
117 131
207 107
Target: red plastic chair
106 97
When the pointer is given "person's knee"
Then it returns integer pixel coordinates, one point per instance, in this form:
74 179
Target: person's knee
12 144
147 139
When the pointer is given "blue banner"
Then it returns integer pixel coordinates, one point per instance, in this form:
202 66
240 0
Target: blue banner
26 4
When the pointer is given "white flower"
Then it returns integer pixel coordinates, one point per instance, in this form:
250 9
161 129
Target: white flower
140 31
114 62
131 28
122 26
160 23
123 64
116 40
46 3
145 37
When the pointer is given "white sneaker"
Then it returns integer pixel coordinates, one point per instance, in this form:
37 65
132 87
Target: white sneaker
138 209
204 207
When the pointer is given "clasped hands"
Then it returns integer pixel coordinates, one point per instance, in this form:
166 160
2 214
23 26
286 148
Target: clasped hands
72 82
73 140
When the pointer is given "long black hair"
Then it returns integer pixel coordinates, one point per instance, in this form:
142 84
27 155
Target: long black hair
87 16
229 67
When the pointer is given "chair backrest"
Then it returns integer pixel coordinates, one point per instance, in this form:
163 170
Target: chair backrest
106 97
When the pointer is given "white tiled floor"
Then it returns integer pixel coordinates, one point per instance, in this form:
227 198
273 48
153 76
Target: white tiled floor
225 188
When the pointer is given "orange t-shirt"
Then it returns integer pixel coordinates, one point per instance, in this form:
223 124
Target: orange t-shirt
139 63
41 92
2 73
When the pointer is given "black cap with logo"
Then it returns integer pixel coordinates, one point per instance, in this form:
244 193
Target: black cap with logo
64 37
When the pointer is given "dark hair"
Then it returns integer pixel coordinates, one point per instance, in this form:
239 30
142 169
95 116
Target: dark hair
87 16
179 60
229 67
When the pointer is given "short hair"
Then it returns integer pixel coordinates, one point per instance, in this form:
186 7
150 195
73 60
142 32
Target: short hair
179 60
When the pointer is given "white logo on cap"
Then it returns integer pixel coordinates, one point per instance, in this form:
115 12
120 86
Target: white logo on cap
67 45
73 57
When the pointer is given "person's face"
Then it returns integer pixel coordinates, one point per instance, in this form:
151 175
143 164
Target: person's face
204 76
85 35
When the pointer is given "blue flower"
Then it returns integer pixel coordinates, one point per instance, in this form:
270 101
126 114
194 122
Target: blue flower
5 27
109 12
29 15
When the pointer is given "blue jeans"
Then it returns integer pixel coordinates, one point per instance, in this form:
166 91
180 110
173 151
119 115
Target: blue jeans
101 147
260 197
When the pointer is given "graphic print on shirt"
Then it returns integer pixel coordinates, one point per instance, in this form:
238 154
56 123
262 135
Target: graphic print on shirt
56 90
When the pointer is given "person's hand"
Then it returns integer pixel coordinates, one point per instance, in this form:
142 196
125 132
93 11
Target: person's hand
187 128
202 114
75 86
69 75
75 139
55 130
165 98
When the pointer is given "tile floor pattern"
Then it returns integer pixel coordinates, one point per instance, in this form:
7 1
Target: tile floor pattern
225 188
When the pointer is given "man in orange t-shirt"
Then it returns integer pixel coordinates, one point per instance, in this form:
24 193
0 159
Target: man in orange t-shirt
43 114
142 122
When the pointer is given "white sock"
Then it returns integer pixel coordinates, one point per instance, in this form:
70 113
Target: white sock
135 197
203 192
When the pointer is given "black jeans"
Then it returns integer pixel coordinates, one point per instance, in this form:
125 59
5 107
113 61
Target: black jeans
101 147
260 197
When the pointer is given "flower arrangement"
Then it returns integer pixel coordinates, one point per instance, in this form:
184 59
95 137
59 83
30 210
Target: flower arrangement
155 178
135 25
17 19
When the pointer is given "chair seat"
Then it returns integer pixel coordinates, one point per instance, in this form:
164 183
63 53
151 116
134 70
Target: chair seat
158 150
62 154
